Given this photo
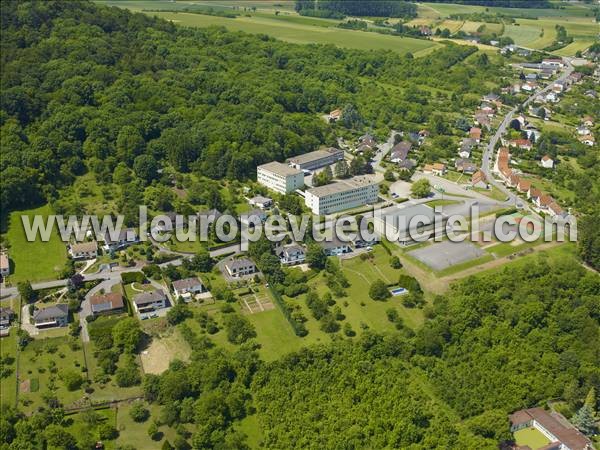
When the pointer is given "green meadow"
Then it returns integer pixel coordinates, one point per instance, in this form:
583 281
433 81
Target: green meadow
37 260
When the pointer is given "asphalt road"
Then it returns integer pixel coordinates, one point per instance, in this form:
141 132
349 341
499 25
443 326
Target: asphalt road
488 153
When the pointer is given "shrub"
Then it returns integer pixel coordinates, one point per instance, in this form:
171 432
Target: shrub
138 412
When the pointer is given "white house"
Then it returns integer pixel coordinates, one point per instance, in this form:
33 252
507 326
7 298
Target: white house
291 254
187 287
147 303
261 202
125 237
84 250
582 130
335 247
547 162
240 267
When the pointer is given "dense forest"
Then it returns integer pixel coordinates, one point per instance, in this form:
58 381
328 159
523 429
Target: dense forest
87 88
495 343
379 8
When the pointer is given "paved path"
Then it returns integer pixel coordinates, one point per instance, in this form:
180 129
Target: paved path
488 153
115 273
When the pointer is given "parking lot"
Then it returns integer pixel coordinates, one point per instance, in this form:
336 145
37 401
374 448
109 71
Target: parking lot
442 255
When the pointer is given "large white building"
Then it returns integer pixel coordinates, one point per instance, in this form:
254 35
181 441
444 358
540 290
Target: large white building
317 159
341 195
280 177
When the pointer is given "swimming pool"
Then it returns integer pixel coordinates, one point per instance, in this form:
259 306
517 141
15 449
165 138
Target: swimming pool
398 291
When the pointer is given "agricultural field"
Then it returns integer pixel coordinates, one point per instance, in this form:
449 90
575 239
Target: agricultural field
37 260
294 29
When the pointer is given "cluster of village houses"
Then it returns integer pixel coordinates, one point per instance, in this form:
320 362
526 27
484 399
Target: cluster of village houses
289 177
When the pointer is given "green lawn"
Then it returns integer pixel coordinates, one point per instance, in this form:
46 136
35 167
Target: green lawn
37 260
76 425
302 33
136 434
8 384
531 437
42 362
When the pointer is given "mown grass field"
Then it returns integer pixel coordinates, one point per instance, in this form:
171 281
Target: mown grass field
36 260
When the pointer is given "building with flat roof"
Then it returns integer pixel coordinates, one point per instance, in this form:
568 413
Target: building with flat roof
343 194
317 159
397 223
280 177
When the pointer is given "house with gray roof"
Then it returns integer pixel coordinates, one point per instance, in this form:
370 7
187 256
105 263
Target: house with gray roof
147 303
52 316
240 267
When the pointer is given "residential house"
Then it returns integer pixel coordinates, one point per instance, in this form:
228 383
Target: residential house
529 86
575 77
475 133
407 164
547 162
533 194
466 147
84 250
109 303
291 254
551 97
6 315
559 86
52 316
513 180
424 30
492 98
516 88
187 287
588 121
439 169
335 247
523 186
487 110
4 265
588 139
531 76
479 180
546 73
543 201
561 434
124 238
148 303
400 151
368 141
555 210
503 163
240 267
261 202
582 130
483 120
465 165
591 93
335 115
523 144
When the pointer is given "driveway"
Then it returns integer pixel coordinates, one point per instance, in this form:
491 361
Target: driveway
25 322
